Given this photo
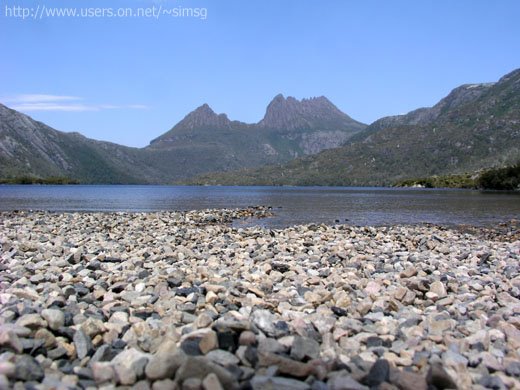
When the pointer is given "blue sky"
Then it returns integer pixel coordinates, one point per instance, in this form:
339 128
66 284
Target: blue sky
130 79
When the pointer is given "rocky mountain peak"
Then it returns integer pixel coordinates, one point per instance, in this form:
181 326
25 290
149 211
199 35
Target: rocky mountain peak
291 113
204 116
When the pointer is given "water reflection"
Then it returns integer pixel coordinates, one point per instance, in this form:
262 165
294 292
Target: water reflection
292 205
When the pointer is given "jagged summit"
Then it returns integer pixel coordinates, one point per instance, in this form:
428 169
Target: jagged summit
283 115
204 116
290 113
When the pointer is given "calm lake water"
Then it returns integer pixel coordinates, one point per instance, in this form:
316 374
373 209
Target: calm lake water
292 205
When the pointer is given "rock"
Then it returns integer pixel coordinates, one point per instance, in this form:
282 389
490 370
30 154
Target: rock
55 318
211 382
372 288
7 368
129 365
271 345
224 358
407 380
453 359
199 367
203 321
191 347
102 372
192 384
31 321
304 348
513 369
164 364
280 267
247 338
269 324
46 336
408 273
261 382
285 365
311 306
439 378
492 382
379 373
28 369
438 288
4 382
9 339
345 382
165 384
208 342
103 354
83 344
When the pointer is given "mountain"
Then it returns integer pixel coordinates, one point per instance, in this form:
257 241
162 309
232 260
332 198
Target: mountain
476 126
312 124
31 148
208 142
202 142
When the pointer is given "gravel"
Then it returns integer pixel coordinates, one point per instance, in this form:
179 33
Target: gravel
184 300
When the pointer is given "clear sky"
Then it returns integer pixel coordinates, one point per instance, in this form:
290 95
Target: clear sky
130 79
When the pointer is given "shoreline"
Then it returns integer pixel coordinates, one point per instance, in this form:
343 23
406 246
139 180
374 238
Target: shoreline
169 300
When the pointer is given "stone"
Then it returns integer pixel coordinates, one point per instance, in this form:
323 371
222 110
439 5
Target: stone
9 339
379 373
513 369
438 377
192 384
28 369
407 380
129 365
268 323
7 368
345 382
304 348
47 337
199 367
203 321
261 382
311 306
408 273
54 317
492 382
247 338
224 358
285 365
372 288
31 321
164 365
103 354
83 344
165 384
102 372
438 288
208 342
211 382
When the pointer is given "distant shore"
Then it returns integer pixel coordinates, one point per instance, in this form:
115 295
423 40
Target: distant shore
166 299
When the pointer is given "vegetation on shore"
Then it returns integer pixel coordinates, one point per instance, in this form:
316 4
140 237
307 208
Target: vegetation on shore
54 180
465 180
506 178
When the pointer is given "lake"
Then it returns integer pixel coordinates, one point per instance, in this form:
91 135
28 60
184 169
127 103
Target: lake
291 205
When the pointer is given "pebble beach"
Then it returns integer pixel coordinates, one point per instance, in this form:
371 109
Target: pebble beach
189 300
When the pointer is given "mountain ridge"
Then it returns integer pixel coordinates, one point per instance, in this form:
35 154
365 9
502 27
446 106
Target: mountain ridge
202 141
475 126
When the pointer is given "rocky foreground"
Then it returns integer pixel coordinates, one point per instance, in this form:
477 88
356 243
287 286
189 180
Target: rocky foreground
176 300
